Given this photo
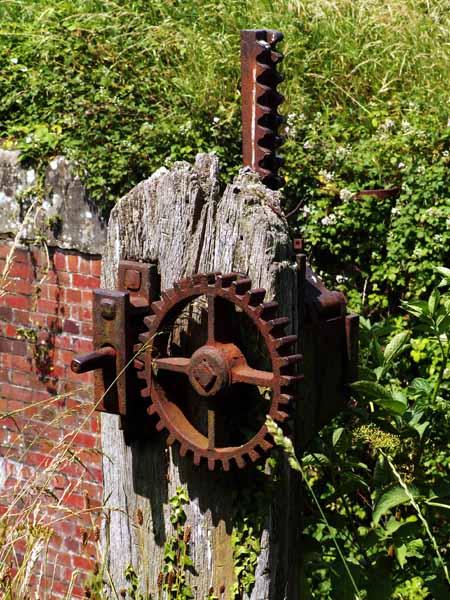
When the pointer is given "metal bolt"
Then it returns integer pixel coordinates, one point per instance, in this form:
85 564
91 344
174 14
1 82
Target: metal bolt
108 308
132 280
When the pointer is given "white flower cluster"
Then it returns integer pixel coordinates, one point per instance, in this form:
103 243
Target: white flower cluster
327 175
341 278
345 194
328 220
343 151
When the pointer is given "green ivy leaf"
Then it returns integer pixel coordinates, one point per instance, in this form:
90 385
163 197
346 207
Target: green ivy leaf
395 346
392 497
370 390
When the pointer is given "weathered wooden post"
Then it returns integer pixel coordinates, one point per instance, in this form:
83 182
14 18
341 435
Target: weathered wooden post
200 333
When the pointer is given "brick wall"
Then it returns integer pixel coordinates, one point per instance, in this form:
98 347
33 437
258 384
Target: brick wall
50 460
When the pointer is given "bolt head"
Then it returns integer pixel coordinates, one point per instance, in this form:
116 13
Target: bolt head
108 308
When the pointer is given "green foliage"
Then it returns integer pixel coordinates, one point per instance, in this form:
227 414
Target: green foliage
124 87
379 474
172 578
251 511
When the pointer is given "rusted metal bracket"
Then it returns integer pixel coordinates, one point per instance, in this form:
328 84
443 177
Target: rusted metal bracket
260 101
329 338
117 323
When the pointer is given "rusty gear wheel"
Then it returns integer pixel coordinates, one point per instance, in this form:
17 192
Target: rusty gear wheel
217 366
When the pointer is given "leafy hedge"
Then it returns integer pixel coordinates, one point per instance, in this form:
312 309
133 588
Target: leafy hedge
124 86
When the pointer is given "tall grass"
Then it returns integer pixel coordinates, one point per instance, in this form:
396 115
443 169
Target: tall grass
122 85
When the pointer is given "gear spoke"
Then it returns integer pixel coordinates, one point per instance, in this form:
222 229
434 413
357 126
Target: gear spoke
211 429
245 374
211 319
178 364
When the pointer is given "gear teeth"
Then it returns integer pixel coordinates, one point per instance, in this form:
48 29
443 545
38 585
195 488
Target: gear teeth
286 361
287 380
157 308
142 375
226 279
280 416
183 450
139 363
286 399
143 337
170 439
277 324
145 393
265 445
167 295
225 464
254 455
151 409
211 463
255 297
182 284
240 461
197 458
149 320
276 56
241 286
160 425
285 341
267 310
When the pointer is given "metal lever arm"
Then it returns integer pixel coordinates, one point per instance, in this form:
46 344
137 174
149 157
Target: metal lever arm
99 359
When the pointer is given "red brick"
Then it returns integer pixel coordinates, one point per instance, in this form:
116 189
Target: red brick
86 297
23 379
11 331
47 307
78 592
41 396
21 270
64 279
51 292
73 261
51 277
82 345
6 313
22 302
86 329
4 250
85 266
18 347
74 501
86 440
71 326
22 317
63 341
17 362
21 286
80 562
38 459
72 295
67 526
96 268
84 281
59 260
21 255
38 257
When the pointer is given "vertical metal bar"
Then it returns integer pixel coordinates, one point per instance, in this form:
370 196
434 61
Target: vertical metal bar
260 101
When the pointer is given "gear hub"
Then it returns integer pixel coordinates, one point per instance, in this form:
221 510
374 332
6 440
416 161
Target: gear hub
215 370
